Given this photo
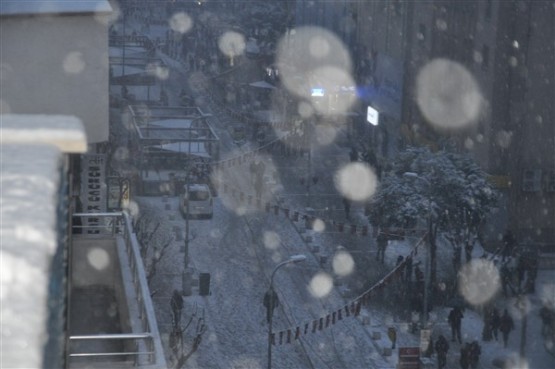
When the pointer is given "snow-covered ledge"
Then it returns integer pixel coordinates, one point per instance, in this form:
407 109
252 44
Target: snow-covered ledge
65 132
32 150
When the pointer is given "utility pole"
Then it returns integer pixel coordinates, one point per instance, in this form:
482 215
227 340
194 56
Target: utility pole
186 277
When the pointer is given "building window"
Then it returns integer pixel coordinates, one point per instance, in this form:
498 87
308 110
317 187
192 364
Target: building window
485 57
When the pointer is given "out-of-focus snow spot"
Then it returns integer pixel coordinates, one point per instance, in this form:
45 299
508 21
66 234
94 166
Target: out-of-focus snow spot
216 233
479 281
121 153
133 208
516 45
325 134
513 61
318 225
4 107
305 110
469 143
477 56
315 58
158 71
479 138
448 95
320 285
330 78
98 258
232 44
441 24
547 293
271 240
73 62
107 18
343 263
165 188
503 138
181 22
356 181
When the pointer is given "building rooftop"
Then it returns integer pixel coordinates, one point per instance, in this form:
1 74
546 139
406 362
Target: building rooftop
33 7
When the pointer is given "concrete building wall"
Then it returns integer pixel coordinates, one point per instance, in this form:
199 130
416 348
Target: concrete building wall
57 65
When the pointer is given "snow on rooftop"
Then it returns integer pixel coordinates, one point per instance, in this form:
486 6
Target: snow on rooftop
33 7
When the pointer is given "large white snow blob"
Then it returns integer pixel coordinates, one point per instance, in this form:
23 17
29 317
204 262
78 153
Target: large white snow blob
232 44
448 95
479 281
271 240
181 22
343 263
318 225
73 63
320 285
356 181
98 258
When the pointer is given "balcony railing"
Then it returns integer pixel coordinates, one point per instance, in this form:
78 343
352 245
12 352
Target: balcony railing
147 348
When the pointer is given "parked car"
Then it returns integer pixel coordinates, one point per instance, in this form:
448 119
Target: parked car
196 201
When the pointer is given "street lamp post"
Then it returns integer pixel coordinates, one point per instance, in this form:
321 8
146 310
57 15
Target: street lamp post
293 259
427 261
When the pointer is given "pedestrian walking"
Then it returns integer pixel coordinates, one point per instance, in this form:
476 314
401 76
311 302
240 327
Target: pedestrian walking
347 207
408 269
506 325
495 321
464 356
381 241
441 346
353 154
392 334
455 318
176 304
509 243
270 302
487 333
474 352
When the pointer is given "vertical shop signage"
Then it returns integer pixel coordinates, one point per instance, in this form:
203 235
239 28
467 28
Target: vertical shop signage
93 190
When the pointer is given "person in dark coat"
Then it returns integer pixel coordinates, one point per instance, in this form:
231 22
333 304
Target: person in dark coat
487 333
408 269
392 334
455 318
509 243
495 321
441 346
506 325
176 304
347 207
474 352
270 302
464 356
381 242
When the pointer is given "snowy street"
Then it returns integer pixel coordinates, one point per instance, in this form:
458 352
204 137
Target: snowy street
242 244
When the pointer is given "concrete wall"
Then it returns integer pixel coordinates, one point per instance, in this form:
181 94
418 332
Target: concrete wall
57 65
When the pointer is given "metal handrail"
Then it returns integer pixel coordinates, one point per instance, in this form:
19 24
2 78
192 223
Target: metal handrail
120 223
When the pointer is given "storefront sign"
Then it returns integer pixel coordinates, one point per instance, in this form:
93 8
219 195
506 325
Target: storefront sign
372 116
93 190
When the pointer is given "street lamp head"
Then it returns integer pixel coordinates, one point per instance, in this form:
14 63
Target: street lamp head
411 175
297 258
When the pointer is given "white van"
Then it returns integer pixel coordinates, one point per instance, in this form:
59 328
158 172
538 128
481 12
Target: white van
200 201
